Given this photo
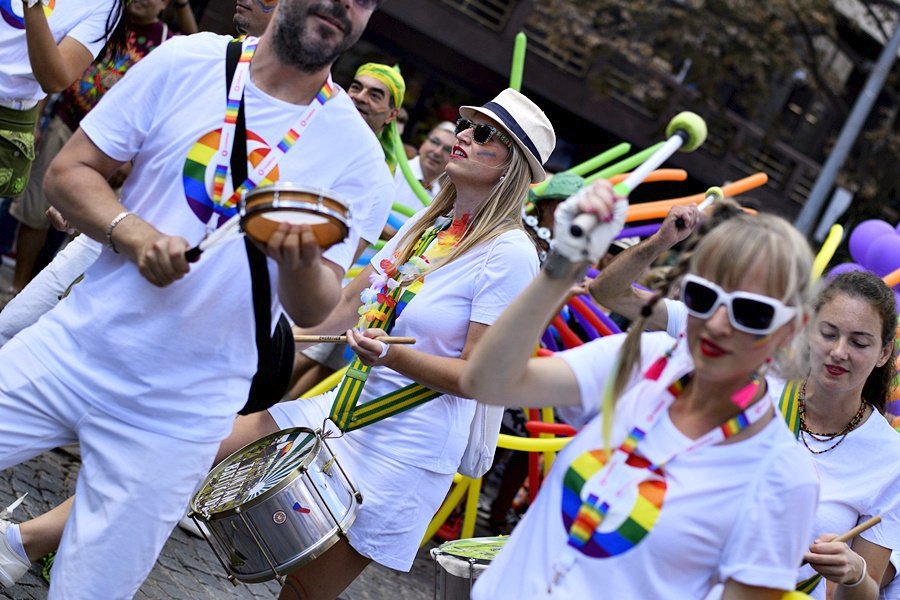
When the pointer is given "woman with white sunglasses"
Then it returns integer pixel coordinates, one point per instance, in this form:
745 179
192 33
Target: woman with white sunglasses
702 484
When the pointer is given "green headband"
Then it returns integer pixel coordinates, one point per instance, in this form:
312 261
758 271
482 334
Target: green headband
389 76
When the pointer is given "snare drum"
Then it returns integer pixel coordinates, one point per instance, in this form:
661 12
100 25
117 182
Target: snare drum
275 505
264 208
459 563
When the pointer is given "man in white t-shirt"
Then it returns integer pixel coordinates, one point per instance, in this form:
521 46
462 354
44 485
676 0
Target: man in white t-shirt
427 166
147 361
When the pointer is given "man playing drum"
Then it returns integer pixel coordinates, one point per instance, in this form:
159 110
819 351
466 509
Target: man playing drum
147 361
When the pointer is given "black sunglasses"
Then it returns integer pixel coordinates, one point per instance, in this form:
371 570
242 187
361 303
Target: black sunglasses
482 132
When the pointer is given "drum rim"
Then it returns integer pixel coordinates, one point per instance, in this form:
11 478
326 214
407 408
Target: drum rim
285 481
281 186
247 213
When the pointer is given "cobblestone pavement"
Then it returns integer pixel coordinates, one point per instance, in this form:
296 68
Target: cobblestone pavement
187 568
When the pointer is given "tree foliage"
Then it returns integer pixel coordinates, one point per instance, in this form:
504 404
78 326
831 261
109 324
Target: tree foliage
737 54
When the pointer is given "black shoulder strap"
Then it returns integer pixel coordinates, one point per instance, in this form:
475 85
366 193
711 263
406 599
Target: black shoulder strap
269 383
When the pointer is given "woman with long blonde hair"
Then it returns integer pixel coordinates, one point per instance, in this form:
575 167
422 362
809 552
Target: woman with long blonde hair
683 476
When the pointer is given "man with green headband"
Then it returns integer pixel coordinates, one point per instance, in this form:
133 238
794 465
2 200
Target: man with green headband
377 91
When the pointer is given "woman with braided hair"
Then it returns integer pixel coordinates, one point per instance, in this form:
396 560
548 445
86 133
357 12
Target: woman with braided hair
685 477
831 409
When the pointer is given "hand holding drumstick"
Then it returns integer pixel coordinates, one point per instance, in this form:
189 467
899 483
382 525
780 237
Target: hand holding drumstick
832 557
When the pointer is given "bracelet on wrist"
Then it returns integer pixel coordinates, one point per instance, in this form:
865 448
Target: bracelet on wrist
861 577
112 225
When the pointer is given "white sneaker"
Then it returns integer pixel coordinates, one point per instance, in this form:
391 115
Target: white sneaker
12 566
194 528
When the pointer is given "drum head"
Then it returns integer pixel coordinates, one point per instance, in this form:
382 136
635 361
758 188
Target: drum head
256 471
265 208
481 550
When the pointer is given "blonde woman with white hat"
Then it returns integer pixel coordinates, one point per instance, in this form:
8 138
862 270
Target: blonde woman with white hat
478 262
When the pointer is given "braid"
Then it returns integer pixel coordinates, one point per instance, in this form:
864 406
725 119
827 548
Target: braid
630 353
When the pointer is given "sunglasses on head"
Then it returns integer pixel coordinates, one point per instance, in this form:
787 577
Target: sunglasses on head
748 312
482 132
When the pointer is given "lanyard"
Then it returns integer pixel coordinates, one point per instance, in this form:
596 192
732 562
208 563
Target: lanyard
615 480
226 139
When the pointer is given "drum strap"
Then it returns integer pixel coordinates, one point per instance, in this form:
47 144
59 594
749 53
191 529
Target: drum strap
344 412
789 406
272 378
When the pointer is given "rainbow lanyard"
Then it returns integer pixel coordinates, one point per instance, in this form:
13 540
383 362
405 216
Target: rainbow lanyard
226 139
615 481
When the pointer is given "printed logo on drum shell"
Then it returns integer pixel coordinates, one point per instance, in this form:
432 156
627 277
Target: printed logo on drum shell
12 11
279 517
299 508
198 176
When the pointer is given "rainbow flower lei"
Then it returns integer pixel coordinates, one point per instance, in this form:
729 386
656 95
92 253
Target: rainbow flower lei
381 285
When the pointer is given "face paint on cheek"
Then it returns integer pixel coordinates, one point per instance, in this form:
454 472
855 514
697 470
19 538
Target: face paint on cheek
762 340
486 154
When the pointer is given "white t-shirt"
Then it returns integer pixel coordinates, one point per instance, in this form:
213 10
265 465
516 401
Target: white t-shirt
178 360
404 193
82 21
677 317
739 511
477 287
860 478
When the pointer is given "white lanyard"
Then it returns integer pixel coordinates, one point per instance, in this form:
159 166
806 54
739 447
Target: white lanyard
226 139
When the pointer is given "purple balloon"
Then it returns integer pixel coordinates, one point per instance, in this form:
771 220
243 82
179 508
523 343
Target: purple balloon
844 268
864 235
883 256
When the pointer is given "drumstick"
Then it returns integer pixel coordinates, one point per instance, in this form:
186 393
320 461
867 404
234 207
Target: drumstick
342 339
852 533
218 236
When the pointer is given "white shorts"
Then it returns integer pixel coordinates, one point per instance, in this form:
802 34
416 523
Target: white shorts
132 489
399 500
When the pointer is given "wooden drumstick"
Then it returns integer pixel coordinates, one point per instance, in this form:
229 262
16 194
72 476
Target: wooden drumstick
342 339
852 533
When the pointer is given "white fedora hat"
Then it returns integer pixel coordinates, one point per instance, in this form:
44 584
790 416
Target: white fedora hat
525 122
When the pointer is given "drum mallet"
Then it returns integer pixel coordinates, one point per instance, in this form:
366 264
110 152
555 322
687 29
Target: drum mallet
712 194
686 132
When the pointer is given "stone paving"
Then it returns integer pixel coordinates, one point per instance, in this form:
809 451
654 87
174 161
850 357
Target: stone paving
187 568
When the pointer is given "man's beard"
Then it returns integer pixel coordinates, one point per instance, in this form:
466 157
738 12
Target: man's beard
290 40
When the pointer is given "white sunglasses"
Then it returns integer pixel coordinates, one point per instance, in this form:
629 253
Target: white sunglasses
748 312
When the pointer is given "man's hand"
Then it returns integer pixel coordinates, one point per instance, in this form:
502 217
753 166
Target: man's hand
670 233
835 561
293 247
161 259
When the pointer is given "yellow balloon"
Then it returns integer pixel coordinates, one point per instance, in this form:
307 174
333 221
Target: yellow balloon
827 251
514 442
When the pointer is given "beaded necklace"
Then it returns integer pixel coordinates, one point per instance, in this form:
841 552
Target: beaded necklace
443 240
826 437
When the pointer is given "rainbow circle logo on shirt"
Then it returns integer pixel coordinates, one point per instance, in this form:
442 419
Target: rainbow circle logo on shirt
199 170
12 11
597 529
